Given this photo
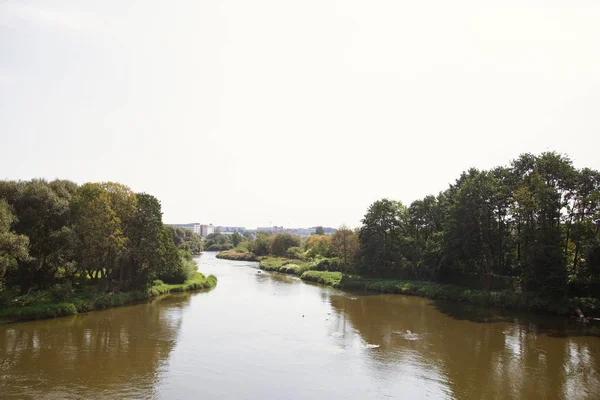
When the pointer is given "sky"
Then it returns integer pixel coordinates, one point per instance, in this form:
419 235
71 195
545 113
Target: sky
293 113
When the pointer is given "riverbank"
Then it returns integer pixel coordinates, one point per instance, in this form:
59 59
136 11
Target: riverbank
44 304
437 291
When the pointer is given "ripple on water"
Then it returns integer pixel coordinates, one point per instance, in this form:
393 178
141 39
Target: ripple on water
408 335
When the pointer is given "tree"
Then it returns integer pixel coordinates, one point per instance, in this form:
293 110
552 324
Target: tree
261 246
345 244
144 244
186 239
318 246
544 267
474 234
171 267
236 238
100 237
282 242
381 237
319 230
43 215
13 247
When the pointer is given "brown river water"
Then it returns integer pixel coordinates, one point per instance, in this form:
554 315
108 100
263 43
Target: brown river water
271 336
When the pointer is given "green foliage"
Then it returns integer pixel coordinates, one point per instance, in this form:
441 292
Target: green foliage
186 239
319 230
61 291
236 239
44 304
282 242
327 264
43 216
218 242
13 247
345 244
381 235
219 247
283 265
261 246
318 246
531 222
295 253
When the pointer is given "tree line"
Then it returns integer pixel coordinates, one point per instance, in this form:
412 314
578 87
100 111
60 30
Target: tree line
96 233
535 221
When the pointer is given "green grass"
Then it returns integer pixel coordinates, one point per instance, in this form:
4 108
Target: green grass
237 255
42 304
325 277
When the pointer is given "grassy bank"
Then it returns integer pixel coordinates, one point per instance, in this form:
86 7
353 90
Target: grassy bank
44 304
237 255
325 277
501 299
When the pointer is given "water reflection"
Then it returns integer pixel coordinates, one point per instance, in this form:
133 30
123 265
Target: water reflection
500 356
109 354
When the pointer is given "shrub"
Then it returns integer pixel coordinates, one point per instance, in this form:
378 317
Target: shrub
282 242
8 294
295 252
61 291
326 264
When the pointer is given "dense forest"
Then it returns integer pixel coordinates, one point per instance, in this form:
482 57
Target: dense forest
97 234
530 227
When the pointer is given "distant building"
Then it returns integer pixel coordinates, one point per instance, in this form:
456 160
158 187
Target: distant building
206 230
231 229
198 228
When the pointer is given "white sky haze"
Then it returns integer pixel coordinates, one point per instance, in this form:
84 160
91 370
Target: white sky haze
294 113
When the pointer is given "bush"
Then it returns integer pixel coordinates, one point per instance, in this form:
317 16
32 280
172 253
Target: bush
295 252
293 269
61 291
282 242
8 294
219 247
326 264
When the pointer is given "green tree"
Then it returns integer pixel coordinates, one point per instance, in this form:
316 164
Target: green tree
319 230
236 238
261 246
282 242
186 239
13 247
171 266
345 244
381 235
99 233
474 228
144 244
43 215
318 246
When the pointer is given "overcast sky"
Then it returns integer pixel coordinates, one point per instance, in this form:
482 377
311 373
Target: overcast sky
294 113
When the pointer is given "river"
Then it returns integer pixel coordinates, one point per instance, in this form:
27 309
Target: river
271 336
